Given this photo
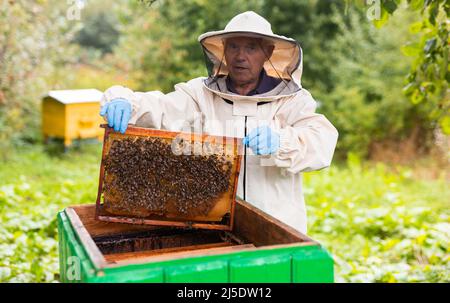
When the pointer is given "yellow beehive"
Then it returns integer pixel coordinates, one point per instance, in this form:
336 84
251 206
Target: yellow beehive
72 114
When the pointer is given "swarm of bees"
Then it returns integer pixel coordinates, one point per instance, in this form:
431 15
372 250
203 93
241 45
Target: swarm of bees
143 176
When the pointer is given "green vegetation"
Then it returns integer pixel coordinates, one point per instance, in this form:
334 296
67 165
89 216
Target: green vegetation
351 64
34 186
28 52
429 75
380 225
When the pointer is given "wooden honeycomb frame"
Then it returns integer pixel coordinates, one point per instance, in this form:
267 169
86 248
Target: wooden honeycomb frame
231 145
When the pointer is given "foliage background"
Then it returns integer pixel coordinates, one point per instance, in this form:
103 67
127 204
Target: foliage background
382 209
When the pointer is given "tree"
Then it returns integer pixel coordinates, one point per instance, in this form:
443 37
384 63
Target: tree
99 32
366 102
427 82
34 40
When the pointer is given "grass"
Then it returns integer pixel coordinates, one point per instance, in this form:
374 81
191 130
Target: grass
380 224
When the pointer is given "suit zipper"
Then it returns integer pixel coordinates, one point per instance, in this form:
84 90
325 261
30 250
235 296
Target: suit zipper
245 161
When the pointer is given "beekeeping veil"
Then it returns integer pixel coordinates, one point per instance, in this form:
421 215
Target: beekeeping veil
285 62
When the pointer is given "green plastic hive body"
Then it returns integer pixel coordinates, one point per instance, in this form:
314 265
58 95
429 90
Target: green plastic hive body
293 263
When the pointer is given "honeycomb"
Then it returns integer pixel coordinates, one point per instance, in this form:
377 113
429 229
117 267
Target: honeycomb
143 176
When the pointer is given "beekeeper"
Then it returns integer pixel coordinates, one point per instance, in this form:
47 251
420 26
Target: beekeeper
254 84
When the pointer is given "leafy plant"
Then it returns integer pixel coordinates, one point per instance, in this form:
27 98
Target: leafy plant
380 225
428 79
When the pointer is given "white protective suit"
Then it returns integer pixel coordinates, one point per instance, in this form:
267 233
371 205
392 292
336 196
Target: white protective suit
307 139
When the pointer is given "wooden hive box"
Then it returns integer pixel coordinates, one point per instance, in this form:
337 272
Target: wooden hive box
259 248
72 114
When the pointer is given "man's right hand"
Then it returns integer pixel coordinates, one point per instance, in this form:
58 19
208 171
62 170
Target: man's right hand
118 113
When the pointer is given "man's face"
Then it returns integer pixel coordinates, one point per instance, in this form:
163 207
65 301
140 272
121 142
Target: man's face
245 58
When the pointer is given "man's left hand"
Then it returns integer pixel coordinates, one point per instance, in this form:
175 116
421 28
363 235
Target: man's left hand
263 140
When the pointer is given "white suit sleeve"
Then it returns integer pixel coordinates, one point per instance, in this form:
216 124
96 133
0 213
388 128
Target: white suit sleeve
154 109
307 139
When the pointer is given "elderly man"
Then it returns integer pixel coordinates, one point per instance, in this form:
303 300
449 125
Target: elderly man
253 85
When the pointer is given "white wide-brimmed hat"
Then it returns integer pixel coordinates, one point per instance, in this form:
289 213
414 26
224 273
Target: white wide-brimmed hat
286 59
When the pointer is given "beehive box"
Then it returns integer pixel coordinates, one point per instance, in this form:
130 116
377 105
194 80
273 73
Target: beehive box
259 248
71 114
157 177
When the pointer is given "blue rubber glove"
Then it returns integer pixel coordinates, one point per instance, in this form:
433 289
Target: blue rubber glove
263 140
118 113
